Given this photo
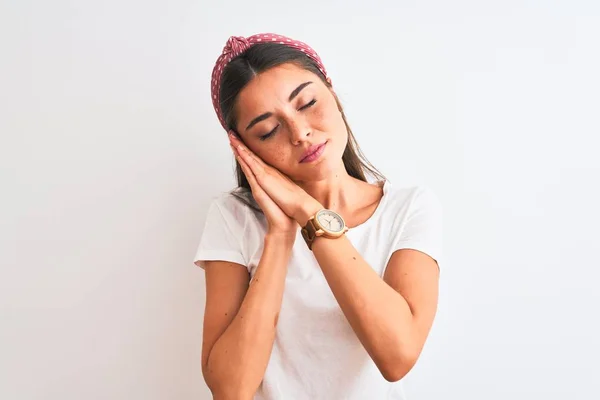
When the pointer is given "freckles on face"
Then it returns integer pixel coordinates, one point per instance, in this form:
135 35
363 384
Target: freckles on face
283 110
275 154
327 114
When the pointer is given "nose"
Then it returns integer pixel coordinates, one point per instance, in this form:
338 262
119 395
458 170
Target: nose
299 131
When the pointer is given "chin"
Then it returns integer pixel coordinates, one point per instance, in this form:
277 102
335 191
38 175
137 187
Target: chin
324 169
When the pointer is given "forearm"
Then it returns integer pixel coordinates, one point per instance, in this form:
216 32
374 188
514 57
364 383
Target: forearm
379 315
238 360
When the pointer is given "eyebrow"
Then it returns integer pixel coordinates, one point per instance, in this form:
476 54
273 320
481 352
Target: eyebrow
258 119
298 89
266 115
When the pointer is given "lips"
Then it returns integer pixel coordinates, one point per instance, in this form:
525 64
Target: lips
313 152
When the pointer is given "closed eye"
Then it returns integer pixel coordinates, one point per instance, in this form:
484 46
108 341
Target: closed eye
268 135
310 104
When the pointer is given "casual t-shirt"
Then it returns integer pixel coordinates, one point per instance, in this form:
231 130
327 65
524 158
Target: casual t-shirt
316 354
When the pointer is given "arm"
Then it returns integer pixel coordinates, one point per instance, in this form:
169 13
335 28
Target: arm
240 320
390 316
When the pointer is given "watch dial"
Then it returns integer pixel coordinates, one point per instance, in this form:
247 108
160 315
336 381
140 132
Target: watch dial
330 221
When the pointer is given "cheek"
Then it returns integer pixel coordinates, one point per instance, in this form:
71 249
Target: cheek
321 115
327 116
273 154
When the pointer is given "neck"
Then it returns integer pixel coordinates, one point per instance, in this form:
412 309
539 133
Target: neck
337 192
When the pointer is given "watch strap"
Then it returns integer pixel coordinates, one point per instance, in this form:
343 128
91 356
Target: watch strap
309 232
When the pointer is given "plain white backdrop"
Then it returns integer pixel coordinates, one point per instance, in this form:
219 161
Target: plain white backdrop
110 152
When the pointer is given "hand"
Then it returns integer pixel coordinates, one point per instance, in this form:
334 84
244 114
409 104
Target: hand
278 222
280 189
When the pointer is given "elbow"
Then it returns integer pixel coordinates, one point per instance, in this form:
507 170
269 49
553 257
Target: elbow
228 385
397 367
231 392
394 373
228 389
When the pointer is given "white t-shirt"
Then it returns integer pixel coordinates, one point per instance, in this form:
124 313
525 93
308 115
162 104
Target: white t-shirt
316 354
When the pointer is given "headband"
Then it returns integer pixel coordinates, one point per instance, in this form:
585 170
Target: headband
237 45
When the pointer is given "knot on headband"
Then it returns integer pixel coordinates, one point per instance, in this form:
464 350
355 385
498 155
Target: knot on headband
237 45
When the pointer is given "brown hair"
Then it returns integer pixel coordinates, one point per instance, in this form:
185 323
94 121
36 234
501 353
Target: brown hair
257 59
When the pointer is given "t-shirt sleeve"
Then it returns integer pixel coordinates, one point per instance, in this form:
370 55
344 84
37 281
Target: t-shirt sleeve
423 229
221 237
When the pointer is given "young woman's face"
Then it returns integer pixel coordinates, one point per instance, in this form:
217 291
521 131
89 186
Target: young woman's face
285 113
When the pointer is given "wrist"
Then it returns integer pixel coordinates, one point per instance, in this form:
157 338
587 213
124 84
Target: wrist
307 210
280 238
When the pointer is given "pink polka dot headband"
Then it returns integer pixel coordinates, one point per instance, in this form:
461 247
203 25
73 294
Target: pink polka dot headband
236 45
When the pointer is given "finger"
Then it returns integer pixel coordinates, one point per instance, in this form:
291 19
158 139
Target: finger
262 198
253 160
254 185
266 176
237 142
233 150
257 167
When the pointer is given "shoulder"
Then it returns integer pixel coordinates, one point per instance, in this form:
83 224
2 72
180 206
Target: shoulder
416 220
230 207
416 204
412 197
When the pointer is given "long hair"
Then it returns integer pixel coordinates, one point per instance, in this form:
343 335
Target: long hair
261 57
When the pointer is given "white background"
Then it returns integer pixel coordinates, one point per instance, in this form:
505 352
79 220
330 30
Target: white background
110 152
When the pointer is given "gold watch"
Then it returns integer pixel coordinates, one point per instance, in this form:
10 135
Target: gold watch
324 223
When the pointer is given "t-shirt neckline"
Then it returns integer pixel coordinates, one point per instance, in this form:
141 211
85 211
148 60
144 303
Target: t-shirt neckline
375 215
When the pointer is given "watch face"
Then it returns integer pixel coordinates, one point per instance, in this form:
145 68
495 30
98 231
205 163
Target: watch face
331 221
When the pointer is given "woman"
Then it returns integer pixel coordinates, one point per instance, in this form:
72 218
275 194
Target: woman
319 284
